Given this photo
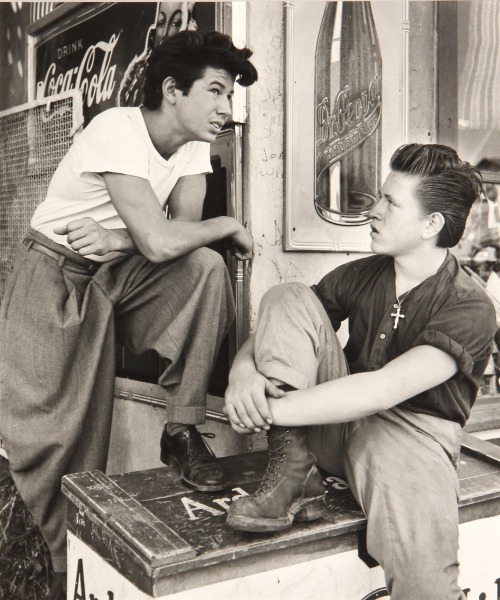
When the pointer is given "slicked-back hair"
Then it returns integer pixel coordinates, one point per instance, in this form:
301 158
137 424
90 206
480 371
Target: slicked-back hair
447 185
185 56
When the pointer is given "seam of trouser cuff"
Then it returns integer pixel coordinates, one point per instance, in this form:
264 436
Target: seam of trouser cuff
187 416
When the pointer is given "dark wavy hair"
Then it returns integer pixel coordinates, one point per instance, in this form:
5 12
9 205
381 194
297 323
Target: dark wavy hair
185 56
447 185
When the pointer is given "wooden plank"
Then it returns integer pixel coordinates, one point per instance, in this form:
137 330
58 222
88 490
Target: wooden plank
485 414
104 542
126 519
481 449
167 498
198 520
470 466
479 476
205 528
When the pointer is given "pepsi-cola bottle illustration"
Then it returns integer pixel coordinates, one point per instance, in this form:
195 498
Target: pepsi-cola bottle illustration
348 108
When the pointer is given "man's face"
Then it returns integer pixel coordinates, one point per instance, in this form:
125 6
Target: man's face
398 219
202 113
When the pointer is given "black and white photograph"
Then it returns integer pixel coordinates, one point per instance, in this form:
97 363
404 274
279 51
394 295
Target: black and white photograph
250 300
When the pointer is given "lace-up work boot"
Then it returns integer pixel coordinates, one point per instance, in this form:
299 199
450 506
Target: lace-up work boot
187 450
292 487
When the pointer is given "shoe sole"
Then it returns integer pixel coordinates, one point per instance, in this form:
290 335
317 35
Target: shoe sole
308 510
171 461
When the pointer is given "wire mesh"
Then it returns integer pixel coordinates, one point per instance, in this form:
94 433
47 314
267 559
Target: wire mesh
32 143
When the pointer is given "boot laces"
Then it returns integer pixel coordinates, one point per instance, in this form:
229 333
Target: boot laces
277 457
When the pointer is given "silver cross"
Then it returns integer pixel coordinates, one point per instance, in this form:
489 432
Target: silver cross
397 315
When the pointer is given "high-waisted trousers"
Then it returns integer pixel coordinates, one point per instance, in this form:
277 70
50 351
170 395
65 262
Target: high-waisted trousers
400 465
58 330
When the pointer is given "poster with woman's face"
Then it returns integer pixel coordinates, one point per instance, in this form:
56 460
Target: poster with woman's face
172 18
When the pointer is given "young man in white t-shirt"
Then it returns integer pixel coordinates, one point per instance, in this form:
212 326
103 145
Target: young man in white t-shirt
102 262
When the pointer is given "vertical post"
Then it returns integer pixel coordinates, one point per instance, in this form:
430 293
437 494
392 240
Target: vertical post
447 73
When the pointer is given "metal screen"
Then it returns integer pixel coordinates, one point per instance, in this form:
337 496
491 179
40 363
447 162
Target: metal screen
33 139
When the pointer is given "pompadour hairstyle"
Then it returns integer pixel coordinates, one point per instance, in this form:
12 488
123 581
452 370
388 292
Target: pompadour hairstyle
185 56
447 185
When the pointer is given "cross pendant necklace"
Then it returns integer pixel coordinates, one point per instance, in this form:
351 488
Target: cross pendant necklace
398 314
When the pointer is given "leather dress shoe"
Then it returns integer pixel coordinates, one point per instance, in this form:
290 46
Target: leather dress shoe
199 467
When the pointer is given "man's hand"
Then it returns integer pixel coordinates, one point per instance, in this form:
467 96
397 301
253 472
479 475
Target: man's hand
246 403
242 244
85 236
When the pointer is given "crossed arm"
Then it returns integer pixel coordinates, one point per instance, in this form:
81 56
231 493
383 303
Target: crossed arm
147 231
252 402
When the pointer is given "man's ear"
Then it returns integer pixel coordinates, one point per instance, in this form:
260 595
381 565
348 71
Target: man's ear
169 90
436 222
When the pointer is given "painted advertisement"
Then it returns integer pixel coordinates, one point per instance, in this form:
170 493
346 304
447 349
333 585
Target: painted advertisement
99 54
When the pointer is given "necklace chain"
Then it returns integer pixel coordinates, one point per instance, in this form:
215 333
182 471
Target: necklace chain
398 315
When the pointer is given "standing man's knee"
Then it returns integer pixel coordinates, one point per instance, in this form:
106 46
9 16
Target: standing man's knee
205 264
207 258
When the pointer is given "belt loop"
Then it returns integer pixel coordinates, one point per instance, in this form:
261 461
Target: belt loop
29 244
61 260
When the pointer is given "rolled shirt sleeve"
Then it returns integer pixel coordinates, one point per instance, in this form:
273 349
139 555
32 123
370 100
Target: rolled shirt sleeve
447 310
463 330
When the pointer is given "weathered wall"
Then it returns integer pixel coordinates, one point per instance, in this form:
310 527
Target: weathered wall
264 163
402 120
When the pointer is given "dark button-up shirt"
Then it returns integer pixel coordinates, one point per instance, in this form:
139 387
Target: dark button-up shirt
447 310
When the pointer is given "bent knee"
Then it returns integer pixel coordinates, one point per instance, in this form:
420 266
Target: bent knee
206 260
284 292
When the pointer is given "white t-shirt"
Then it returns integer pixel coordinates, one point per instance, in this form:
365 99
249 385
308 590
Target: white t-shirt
115 141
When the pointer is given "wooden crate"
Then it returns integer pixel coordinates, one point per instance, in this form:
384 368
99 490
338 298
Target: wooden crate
145 535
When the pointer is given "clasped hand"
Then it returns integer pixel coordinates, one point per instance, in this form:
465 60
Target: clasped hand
246 402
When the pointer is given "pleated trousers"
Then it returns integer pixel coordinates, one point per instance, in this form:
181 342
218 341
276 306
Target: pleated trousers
58 329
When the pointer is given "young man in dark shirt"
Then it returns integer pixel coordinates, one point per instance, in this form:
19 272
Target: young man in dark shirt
387 411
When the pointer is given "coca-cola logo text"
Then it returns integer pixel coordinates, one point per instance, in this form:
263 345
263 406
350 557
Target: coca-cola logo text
96 83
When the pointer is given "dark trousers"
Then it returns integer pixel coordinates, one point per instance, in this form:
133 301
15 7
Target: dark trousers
58 329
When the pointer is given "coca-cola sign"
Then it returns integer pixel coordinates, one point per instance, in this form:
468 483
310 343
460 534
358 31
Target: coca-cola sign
94 53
